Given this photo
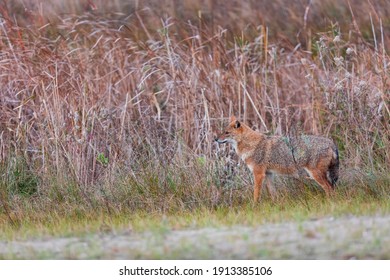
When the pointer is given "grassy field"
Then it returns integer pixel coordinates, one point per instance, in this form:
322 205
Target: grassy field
310 226
61 222
108 112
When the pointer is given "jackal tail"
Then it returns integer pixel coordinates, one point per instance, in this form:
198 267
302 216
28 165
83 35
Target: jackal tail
333 169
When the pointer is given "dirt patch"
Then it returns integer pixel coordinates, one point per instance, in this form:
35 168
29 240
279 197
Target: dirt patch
328 238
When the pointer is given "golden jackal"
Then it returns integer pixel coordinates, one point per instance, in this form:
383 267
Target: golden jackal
265 155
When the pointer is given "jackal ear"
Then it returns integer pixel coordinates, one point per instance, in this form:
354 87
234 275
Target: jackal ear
232 119
237 124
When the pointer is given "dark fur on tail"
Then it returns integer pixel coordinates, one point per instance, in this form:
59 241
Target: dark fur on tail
333 171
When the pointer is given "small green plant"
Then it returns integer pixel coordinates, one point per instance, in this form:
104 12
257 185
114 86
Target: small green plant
241 42
21 180
201 161
102 159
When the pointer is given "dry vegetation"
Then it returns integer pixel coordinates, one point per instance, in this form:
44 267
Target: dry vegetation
114 109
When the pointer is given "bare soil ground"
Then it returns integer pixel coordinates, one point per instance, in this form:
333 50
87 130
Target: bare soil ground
348 237
328 238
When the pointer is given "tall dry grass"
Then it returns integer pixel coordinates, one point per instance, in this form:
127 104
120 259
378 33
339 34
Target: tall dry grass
116 107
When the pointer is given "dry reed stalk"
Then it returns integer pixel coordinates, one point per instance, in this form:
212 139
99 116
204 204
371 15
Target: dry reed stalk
100 102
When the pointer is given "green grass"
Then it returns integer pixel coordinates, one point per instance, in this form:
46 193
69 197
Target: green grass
80 222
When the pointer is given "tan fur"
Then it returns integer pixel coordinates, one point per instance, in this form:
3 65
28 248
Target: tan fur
283 155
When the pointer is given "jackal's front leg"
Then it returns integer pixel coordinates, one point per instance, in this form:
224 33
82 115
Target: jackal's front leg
258 174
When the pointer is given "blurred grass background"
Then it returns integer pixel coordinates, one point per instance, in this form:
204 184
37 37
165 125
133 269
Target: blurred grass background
110 107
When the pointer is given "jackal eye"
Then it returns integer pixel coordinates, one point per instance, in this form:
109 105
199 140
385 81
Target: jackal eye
226 132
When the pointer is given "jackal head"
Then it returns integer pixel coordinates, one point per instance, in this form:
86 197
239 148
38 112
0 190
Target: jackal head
231 134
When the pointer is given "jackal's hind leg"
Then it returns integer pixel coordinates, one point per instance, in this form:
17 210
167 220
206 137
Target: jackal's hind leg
268 185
